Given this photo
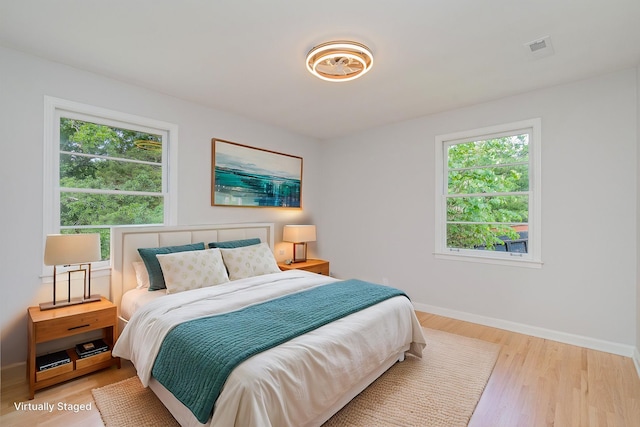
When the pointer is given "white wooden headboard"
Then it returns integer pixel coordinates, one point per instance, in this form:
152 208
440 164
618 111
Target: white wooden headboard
126 240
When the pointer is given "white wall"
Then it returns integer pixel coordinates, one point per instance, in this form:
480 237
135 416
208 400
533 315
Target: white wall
24 81
637 350
377 217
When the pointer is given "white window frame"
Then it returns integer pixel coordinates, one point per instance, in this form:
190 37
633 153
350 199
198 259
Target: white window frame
54 109
533 256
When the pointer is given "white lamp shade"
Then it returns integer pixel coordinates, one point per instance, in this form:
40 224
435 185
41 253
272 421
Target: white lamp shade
64 249
299 233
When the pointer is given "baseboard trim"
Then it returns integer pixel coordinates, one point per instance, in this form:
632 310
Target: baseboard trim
563 337
14 369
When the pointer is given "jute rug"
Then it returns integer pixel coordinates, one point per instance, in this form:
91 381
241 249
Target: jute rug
440 390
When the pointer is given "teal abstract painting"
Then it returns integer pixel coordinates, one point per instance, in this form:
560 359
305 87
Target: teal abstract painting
254 177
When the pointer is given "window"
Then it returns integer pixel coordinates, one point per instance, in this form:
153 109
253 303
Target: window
106 169
488 194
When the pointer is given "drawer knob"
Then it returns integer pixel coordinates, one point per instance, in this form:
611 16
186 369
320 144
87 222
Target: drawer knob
79 327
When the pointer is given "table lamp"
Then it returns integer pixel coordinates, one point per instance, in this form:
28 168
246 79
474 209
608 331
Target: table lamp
299 235
67 250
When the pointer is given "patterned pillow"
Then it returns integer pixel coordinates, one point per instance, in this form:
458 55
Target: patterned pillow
249 261
184 271
148 256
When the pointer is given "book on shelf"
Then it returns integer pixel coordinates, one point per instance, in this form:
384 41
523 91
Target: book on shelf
51 360
91 348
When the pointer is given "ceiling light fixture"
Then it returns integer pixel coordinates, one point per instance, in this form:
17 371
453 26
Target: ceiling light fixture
339 61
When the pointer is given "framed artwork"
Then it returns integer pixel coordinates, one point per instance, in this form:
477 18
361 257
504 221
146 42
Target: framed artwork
253 177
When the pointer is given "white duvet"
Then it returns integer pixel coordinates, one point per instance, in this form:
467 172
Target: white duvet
290 385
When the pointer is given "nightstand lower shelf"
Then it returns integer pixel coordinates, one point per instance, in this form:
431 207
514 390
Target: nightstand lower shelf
74 369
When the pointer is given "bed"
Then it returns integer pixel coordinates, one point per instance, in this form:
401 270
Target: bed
301 381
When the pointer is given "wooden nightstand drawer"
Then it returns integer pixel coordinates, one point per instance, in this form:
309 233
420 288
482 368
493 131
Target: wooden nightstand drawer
54 372
320 269
82 322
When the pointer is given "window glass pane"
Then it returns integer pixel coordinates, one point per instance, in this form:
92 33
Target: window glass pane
103 174
488 209
105 238
78 209
508 149
489 180
78 136
499 238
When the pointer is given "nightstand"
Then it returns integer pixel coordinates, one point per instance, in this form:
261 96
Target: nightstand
313 265
63 322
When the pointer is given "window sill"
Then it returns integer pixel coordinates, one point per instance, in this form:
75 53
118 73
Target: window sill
513 262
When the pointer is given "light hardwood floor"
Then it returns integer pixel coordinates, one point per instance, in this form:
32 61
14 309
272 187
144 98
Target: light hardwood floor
538 382
535 382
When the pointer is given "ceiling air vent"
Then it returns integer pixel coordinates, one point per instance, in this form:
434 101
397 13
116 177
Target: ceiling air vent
539 48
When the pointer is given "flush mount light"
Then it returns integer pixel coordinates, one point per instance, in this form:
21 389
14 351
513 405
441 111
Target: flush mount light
339 61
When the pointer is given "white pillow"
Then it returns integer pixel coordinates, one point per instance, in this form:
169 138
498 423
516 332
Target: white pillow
142 275
249 261
183 271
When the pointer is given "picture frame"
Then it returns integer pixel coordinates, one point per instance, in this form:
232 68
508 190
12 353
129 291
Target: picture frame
245 176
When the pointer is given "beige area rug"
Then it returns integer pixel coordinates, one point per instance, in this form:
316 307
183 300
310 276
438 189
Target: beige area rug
440 390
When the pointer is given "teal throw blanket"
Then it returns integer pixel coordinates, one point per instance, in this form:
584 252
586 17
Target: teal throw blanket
197 356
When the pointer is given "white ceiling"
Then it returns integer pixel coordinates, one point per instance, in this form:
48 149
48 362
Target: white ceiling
247 56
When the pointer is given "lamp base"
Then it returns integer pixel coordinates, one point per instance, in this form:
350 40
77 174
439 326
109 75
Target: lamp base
74 301
299 252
